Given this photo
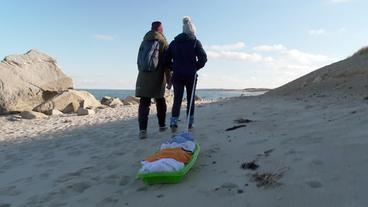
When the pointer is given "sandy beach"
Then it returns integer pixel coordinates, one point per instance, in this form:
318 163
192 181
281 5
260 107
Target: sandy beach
87 161
280 114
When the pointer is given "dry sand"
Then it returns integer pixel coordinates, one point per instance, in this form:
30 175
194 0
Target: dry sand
323 145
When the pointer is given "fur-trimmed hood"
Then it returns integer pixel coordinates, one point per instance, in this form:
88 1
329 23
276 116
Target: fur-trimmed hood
153 35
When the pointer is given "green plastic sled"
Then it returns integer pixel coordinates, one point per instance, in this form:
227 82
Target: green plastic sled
170 177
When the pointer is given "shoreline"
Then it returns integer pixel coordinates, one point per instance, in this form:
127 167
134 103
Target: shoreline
35 127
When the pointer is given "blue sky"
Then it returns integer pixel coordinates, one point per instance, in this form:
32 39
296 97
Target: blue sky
263 43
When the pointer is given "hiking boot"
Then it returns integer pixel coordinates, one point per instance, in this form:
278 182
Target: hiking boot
143 134
191 122
162 129
191 127
174 124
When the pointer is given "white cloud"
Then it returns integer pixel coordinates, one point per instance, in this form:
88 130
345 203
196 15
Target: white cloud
234 46
305 58
103 37
268 65
339 1
343 29
235 55
280 52
317 32
269 48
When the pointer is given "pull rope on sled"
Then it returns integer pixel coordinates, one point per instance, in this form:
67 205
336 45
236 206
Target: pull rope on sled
191 101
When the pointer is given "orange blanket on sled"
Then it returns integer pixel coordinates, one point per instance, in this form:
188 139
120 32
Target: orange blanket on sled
176 153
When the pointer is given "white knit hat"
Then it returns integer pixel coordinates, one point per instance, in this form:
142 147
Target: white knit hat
188 26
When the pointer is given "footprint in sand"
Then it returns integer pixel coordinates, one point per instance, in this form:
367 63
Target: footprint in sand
5 205
9 191
119 153
12 163
314 184
51 163
124 180
255 142
317 162
44 175
76 187
47 156
117 179
297 159
139 152
41 200
108 201
79 173
75 153
112 166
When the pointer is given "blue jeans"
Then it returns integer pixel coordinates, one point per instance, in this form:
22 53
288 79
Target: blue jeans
179 85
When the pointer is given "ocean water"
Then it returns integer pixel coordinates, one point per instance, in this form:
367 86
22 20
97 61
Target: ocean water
208 94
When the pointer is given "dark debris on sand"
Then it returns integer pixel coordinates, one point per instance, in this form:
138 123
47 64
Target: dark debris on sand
242 121
266 153
252 165
235 127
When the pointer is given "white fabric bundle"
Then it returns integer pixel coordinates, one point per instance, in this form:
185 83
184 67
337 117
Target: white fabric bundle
161 165
187 146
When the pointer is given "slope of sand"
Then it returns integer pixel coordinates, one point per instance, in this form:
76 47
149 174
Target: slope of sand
345 80
321 145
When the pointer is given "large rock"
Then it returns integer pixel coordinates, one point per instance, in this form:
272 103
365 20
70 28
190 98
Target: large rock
106 100
54 112
116 102
131 100
69 102
28 80
112 102
85 112
32 115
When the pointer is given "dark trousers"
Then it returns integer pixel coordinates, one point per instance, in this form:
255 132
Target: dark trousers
179 86
144 109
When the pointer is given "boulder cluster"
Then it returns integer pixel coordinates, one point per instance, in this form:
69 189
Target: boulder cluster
33 85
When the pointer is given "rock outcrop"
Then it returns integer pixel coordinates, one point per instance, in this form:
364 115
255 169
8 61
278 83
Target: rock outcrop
131 100
32 115
28 80
69 102
85 112
106 100
112 102
54 112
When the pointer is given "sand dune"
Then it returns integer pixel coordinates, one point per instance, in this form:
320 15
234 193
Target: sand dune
345 79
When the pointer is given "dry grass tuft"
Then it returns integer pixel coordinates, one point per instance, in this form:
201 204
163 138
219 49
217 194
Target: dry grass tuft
269 179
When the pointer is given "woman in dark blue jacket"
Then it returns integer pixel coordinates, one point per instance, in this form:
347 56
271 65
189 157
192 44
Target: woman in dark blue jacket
185 56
